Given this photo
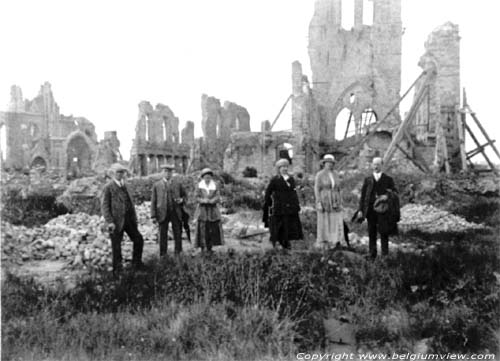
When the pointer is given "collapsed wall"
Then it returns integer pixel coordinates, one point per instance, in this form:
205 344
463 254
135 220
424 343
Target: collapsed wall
39 136
355 71
436 122
157 140
218 124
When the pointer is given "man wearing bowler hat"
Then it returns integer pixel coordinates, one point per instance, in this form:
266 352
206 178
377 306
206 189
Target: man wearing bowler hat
167 201
117 208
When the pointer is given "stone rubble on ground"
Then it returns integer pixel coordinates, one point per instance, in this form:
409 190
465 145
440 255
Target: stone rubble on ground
427 218
79 238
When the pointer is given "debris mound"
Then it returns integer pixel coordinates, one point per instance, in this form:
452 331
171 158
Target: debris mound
427 218
79 238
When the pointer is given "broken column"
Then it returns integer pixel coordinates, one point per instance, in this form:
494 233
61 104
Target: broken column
218 123
157 140
436 120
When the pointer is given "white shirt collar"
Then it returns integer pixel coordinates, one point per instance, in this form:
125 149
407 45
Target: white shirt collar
208 187
377 175
119 183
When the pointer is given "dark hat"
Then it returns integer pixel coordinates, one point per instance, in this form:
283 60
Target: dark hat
167 166
117 167
206 171
282 162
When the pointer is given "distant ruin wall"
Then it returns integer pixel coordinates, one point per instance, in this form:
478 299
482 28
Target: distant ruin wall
157 141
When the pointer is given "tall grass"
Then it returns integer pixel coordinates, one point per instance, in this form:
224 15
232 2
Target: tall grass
268 305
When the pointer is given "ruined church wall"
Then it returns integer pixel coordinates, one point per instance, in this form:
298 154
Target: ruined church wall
364 61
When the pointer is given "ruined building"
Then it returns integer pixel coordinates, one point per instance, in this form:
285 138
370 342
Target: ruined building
355 89
37 135
435 125
157 140
357 69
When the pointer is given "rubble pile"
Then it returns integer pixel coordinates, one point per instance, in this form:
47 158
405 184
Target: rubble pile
427 218
79 238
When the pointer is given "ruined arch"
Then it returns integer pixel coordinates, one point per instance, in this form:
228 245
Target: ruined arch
79 153
39 162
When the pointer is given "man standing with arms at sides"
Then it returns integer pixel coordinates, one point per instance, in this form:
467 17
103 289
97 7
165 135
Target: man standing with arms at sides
380 206
167 202
117 208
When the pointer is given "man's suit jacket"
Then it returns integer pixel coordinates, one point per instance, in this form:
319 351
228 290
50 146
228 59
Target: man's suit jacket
385 182
159 199
113 205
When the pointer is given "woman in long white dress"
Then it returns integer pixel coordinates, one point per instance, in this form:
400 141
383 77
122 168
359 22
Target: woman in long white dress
330 225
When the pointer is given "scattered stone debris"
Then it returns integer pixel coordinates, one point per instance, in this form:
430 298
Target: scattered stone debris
78 238
427 218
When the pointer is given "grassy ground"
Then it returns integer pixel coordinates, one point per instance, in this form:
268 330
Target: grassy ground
261 306
271 305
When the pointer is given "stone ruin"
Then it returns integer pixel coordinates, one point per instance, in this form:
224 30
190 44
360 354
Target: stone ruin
357 71
38 136
157 140
354 93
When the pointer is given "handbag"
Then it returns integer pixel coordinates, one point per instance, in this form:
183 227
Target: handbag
381 204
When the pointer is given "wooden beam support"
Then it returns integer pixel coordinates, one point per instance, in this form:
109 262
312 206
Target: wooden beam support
411 115
412 159
483 131
479 146
348 123
476 151
354 153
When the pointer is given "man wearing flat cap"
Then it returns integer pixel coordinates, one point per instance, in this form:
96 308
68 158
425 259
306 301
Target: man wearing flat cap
117 208
167 201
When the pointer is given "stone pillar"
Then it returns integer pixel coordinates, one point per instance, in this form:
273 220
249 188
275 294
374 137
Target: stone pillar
188 133
358 14
337 13
143 165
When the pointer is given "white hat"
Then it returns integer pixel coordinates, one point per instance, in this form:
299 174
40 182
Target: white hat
328 158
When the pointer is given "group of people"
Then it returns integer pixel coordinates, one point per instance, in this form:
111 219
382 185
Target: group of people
168 206
379 205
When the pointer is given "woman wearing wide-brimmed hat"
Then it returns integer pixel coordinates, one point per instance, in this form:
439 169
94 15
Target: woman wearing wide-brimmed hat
281 207
330 224
208 219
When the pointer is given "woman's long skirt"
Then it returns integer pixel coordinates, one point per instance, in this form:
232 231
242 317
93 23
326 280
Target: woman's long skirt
330 229
284 228
209 234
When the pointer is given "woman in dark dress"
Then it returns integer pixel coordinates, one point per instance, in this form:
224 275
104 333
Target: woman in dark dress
281 207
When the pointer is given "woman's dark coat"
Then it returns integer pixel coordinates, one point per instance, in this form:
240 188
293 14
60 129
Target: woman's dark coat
281 210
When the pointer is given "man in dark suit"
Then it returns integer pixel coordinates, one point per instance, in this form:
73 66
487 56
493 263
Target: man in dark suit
117 208
167 201
375 186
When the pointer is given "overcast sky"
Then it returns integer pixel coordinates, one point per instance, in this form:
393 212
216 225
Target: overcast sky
104 57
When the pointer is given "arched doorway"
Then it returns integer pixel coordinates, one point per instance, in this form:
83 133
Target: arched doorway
78 155
39 163
344 124
284 150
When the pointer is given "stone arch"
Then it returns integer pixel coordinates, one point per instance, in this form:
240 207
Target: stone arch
357 97
39 161
79 153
